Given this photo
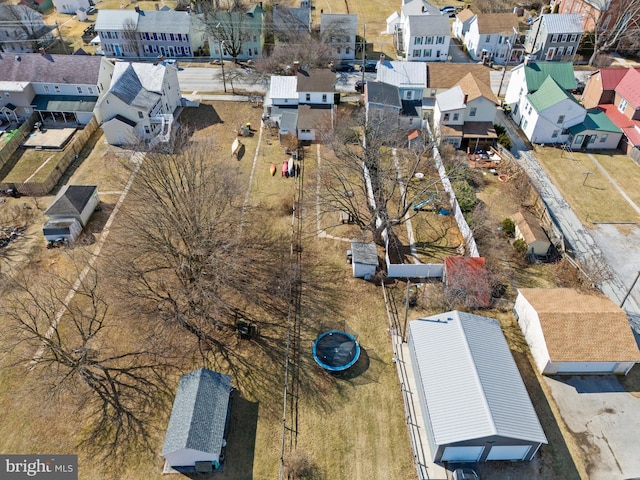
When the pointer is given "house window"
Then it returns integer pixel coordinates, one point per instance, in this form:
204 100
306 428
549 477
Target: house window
409 94
255 51
555 134
46 89
554 38
524 124
146 130
622 106
155 36
560 52
140 114
574 37
255 39
579 139
427 53
416 53
560 120
603 137
163 36
324 97
440 40
171 37
339 50
417 41
456 116
487 38
79 89
7 94
446 117
308 97
569 51
56 88
429 40
472 112
565 37
592 139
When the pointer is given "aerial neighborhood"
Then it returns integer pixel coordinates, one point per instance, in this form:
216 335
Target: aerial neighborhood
320 240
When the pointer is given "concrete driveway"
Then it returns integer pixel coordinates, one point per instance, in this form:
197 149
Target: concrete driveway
605 420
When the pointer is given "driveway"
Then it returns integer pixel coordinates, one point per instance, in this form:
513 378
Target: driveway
604 419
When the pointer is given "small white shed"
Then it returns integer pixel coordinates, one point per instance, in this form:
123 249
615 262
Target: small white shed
575 332
364 259
529 230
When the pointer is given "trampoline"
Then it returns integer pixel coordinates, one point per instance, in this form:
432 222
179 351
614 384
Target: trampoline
335 350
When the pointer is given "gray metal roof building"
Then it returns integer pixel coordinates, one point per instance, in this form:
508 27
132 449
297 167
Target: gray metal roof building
198 418
475 402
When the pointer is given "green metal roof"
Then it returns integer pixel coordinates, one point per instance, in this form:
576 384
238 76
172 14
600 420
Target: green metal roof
537 72
548 95
596 120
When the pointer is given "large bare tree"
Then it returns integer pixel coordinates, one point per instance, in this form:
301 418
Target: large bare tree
619 24
22 28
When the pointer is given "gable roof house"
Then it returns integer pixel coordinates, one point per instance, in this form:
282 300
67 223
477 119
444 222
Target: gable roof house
462 22
491 36
554 36
528 229
198 421
239 34
382 105
140 33
410 78
61 88
71 6
601 86
339 31
574 332
426 38
475 406
140 103
23 29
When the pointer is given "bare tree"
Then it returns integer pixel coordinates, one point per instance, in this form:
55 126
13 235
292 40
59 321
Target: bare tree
617 25
131 43
70 348
22 29
187 260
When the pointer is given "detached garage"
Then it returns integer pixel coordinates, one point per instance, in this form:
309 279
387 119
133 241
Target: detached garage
575 332
473 399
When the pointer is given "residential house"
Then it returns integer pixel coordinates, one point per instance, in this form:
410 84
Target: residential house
464 114
393 22
474 405
554 36
528 229
597 132
573 332
383 104
198 423
291 23
149 34
23 29
41 6
601 86
339 31
71 6
462 22
301 104
491 36
410 78
426 38
61 88
240 35
396 24
140 103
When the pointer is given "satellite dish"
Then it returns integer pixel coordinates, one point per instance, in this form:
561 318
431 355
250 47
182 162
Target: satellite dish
449 57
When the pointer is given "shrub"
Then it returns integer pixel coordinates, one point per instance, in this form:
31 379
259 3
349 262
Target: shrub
505 141
286 206
465 194
508 227
500 130
520 245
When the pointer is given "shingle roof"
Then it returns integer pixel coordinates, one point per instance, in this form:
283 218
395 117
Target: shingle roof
446 75
529 227
316 81
473 88
549 94
563 22
596 120
126 84
423 25
582 326
50 68
289 120
72 200
383 94
313 116
537 72
503 23
465 14
471 383
629 87
402 74
364 252
199 412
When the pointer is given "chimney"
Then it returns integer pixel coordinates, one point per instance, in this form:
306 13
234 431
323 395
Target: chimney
137 9
466 97
423 8
260 4
383 57
41 50
296 65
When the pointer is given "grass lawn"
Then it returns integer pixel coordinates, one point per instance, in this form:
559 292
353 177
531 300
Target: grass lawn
592 197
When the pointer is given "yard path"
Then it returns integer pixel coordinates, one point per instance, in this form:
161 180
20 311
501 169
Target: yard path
633 204
407 217
253 170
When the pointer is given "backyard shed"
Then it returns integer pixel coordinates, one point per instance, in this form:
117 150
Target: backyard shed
198 419
74 201
475 405
67 229
528 229
575 332
364 257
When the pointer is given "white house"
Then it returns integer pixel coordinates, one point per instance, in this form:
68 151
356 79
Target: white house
70 6
339 31
393 21
140 103
474 404
61 88
410 78
197 426
491 36
462 22
575 332
597 131
70 212
24 30
364 259
426 38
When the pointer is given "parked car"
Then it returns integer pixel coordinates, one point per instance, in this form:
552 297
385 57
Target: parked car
344 67
359 86
92 11
465 474
448 10
371 67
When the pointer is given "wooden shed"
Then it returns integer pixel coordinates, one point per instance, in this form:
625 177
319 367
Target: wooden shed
529 230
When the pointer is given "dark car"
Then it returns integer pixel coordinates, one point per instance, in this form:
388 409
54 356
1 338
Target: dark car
344 67
92 11
371 67
359 85
465 474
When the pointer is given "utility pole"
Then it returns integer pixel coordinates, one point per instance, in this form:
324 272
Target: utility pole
221 43
364 52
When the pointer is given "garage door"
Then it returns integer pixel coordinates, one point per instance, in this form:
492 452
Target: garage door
587 367
511 452
462 454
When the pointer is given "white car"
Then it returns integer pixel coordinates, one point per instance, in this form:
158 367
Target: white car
448 10
465 474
